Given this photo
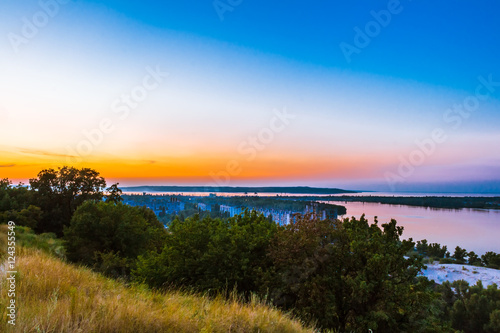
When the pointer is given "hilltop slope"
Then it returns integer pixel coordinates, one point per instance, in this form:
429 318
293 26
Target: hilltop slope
54 296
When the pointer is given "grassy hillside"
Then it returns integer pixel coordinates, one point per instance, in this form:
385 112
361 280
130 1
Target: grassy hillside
54 296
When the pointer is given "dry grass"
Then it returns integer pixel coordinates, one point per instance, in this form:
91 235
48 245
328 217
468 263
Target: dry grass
54 296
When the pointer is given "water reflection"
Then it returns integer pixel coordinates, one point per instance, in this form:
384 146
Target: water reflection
475 229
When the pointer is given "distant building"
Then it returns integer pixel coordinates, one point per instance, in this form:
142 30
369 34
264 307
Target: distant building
204 207
158 204
282 217
233 211
174 207
321 211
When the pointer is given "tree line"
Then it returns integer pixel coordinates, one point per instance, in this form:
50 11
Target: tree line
428 201
435 251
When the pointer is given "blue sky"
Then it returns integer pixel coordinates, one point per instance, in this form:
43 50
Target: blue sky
355 120
440 43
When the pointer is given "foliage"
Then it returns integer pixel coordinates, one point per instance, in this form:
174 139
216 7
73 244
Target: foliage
471 309
491 260
211 255
14 198
447 261
433 250
17 204
60 192
28 217
473 259
47 242
114 194
429 201
109 236
349 275
436 251
422 247
459 255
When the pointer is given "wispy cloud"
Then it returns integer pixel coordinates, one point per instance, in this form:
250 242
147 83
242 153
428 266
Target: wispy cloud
7 165
41 152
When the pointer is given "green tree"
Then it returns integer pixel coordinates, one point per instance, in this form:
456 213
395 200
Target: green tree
435 250
473 259
494 324
60 192
472 309
459 255
491 260
109 237
114 194
29 217
14 198
211 255
422 247
17 204
350 276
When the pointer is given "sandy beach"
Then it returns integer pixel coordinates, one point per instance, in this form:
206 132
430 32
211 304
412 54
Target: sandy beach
453 272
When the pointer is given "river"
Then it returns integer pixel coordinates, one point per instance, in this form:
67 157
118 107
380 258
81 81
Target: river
476 230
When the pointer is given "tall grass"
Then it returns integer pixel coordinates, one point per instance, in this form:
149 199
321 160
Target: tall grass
54 296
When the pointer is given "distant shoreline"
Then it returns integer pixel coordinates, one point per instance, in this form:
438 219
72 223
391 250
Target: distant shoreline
442 202
230 189
332 194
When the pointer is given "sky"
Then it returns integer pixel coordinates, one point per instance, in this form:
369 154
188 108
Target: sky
368 95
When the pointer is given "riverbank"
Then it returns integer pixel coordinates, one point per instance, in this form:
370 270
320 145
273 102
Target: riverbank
454 272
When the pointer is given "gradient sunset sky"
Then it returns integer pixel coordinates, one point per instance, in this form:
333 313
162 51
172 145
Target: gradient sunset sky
233 66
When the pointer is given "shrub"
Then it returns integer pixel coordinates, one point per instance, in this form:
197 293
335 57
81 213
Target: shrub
211 255
447 261
109 236
349 275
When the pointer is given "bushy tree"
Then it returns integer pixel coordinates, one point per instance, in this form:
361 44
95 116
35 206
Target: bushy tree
211 255
494 324
28 217
60 192
473 259
350 276
471 309
435 250
422 247
109 237
114 194
459 255
491 260
17 204
14 198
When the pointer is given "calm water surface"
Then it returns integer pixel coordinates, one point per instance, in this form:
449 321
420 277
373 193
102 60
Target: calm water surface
475 229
